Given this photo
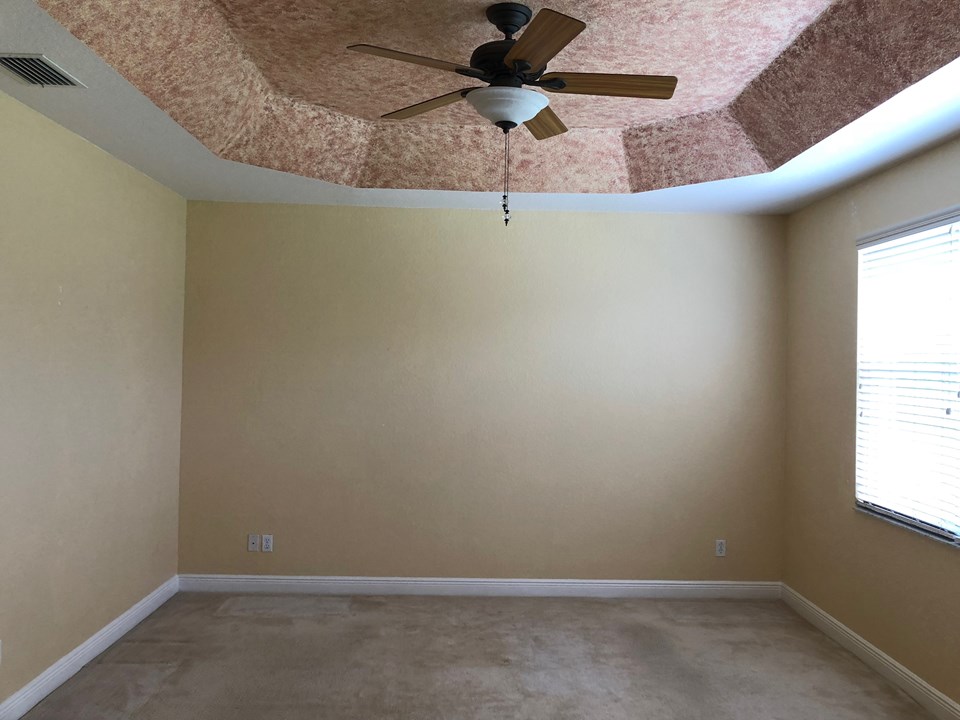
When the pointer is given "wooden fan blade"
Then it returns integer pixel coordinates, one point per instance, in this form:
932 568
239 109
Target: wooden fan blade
546 124
659 87
407 57
428 105
548 33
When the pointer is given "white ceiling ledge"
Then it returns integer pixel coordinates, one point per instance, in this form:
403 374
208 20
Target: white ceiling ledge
114 115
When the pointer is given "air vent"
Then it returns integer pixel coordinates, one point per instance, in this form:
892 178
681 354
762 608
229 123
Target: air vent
36 70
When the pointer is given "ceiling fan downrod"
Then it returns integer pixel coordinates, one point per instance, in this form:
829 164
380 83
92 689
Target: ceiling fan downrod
509 17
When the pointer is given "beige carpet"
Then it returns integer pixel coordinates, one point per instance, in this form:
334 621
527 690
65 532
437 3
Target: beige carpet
295 657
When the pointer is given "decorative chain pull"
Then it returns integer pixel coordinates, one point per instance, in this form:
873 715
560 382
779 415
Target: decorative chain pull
506 178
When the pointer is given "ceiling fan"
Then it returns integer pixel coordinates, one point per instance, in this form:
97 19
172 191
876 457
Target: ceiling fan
509 64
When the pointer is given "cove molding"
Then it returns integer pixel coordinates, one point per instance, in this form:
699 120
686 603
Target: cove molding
928 697
22 701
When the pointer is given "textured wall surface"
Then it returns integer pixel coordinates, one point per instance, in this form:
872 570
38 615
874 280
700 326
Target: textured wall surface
91 321
895 587
424 393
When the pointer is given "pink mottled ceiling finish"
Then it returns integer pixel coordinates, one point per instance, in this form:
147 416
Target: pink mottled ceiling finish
858 55
715 46
268 82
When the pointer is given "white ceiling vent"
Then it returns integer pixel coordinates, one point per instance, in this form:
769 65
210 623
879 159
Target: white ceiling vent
35 69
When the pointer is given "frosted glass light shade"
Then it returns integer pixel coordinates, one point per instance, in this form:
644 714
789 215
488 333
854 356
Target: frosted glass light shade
510 104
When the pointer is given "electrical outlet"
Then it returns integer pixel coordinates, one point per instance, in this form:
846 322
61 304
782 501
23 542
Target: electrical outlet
253 543
267 545
720 548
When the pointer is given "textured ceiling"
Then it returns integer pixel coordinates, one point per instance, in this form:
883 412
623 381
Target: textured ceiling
715 47
269 82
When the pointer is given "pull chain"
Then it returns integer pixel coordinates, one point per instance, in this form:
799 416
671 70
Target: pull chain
506 178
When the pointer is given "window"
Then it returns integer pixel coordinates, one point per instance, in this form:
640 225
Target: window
908 376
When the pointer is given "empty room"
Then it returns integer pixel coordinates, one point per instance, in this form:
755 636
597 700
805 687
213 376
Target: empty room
468 360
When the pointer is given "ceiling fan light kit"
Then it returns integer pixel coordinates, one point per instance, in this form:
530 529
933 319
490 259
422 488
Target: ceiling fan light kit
506 107
507 65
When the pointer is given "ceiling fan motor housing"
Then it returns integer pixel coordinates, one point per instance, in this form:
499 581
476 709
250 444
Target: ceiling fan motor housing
489 58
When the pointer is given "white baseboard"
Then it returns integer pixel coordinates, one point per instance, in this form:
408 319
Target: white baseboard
18 704
483 587
942 707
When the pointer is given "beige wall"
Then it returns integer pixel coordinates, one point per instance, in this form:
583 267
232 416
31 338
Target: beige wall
896 588
423 393
91 307
410 392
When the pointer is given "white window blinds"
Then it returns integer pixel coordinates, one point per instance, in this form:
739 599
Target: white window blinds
908 377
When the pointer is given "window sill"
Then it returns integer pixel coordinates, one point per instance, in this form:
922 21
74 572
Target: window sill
870 512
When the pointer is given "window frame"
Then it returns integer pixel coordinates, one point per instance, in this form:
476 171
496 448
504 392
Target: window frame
877 237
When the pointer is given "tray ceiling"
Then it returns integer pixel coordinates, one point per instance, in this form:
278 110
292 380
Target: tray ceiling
716 48
269 82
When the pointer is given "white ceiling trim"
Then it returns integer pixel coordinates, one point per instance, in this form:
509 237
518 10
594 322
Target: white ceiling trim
114 115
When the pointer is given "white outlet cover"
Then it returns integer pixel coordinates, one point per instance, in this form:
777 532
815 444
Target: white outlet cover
267 545
253 543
